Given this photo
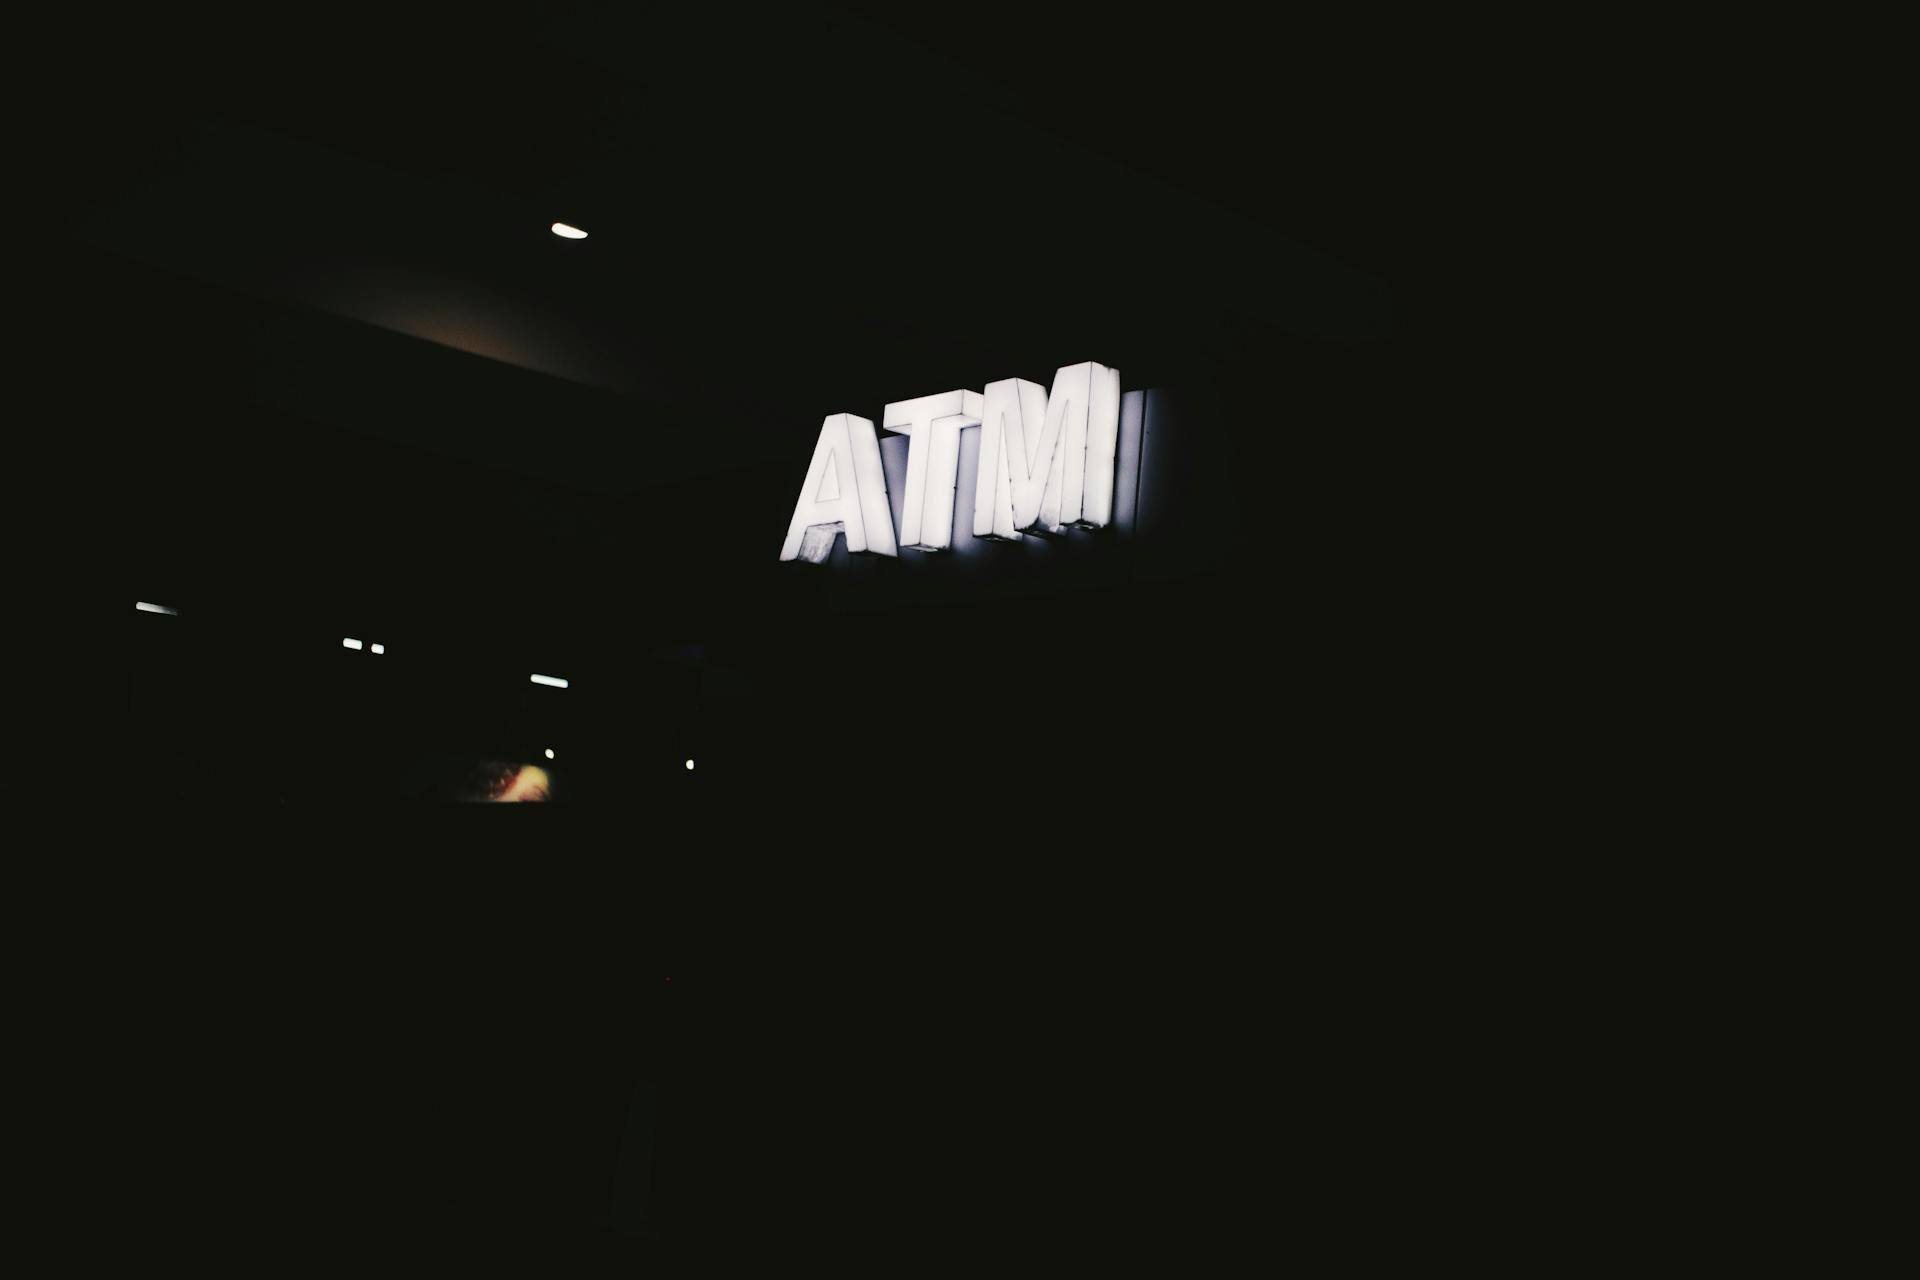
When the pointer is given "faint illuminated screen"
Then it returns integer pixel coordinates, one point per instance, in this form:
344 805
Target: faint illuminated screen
530 783
496 782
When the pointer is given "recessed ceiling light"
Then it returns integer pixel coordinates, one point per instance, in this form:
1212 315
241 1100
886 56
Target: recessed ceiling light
350 643
549 753
689 764
566 232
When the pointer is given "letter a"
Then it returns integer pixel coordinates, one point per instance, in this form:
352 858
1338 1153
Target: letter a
845 492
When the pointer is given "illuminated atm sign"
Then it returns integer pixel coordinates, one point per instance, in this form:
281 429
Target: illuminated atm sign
961 468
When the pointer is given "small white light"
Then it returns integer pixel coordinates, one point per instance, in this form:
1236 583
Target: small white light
689 764
549 753
350 643
144 607
555 681
379 648
566 232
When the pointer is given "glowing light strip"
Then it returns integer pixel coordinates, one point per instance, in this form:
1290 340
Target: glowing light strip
350 643
144 607
379 648
566 232
555 681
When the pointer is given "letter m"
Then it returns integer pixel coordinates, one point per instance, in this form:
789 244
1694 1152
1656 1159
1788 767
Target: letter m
1046 462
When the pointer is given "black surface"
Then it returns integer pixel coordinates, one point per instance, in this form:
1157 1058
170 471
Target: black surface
951 963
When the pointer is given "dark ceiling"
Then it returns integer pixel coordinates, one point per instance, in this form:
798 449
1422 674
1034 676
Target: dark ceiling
975 187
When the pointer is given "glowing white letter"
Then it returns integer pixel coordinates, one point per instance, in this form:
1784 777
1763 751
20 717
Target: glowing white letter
1047 462
932 425
845 492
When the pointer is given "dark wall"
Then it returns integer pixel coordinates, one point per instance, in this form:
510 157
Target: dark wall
929 788
288 478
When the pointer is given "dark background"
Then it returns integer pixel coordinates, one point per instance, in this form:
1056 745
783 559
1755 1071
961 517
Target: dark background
1040 904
